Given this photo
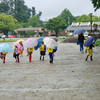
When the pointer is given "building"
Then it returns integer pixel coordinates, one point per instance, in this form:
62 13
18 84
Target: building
84 25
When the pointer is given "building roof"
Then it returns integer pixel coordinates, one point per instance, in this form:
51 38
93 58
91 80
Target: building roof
82 25
75 24
70 28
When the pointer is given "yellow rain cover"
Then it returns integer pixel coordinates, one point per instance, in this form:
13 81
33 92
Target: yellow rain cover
50 50
30 49
41 47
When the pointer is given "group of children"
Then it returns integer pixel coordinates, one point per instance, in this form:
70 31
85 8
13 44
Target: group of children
29 52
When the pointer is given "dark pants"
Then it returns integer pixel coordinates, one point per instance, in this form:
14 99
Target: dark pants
16 56
51 56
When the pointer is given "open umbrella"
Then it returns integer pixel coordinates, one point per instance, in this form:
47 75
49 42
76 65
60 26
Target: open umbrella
90 41
39 43
5 48
30 43
54 39
18 45
50 43
78 31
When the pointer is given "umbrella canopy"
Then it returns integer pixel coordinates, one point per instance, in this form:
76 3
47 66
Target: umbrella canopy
54 39
3 36
30 43
90 41
78 31
18 45
21 40
50 43
5 48
39 43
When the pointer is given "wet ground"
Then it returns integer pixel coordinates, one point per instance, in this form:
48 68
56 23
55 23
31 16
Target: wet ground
70 77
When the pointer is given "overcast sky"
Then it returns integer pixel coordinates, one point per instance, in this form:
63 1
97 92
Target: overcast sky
53 8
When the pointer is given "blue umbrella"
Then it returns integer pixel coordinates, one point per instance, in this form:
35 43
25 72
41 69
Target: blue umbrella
78 31
90 41
39 43
5 48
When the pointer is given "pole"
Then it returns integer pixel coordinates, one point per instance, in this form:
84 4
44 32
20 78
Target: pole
91 22
69 25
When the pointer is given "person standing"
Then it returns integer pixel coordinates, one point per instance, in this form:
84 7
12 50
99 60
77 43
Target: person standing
81 42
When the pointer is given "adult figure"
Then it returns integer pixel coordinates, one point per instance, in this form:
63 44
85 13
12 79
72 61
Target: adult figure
81 41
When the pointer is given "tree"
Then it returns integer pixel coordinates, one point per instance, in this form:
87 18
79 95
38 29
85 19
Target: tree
67 16
33 11
33 21
8 23
96 4
56 24
83 18
4 8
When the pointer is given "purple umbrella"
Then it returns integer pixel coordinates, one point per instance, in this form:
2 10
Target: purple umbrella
78 31
30 43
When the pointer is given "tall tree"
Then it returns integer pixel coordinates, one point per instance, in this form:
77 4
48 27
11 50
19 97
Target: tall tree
4 8
56 24
67 16
33 21
96 4
33 11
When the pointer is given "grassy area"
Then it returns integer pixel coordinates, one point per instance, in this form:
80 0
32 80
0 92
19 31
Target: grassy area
97 43
60 39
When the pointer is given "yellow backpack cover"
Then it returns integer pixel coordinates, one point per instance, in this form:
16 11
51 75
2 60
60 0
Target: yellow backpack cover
50 50
87 48
41 47
30 49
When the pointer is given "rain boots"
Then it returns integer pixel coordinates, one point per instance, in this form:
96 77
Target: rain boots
3 59
86 58
51 61
91 58
43 58
40 57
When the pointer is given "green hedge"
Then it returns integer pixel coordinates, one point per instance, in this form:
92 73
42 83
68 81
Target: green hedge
97 43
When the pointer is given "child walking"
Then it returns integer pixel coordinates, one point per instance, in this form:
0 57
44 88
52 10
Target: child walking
51 53
29 53
3 56
89 52
42 50
21 51
16 53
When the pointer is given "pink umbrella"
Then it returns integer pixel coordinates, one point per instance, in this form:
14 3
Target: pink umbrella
30 43
18 45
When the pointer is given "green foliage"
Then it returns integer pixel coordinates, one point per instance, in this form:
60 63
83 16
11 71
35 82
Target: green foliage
96 4
33 21
4 8
83 18
30 32
97 43
55 24
67 16
8 23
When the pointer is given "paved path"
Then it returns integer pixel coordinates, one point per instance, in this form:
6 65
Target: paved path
70 77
